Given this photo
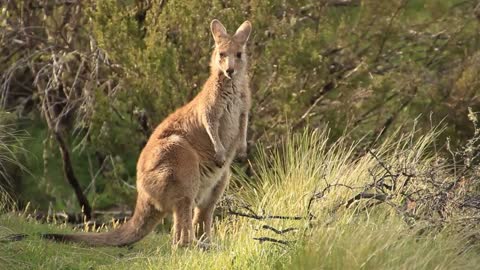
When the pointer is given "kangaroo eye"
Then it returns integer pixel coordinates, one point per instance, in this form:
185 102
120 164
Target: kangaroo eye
239 55
222 55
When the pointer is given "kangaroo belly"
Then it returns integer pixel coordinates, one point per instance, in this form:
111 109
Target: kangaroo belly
210 174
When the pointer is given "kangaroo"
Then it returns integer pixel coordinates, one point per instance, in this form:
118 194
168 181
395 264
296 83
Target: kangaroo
185 166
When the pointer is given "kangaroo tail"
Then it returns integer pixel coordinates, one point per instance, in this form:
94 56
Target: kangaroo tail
143 221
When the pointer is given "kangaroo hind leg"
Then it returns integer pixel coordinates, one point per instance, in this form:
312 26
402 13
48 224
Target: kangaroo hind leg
204 213
182 222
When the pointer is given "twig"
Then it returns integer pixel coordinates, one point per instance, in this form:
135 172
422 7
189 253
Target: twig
13 237
343 3
364 195
258 217
387 169
277 231
273 240
387 30
321 194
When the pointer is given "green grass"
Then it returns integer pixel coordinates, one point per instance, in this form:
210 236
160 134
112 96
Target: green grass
382 244
285 178
10 147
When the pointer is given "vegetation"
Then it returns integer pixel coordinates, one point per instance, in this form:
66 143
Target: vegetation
83 84
312 230
10 148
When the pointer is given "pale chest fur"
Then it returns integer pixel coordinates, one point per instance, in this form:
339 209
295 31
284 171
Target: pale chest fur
234 104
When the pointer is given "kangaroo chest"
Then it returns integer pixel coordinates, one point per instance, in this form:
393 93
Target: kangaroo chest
233 102
229 126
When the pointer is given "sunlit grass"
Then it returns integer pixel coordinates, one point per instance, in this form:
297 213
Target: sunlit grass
284 180
10 147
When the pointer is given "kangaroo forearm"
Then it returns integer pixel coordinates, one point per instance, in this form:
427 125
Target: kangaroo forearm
211 120
219 155
212 130
243 127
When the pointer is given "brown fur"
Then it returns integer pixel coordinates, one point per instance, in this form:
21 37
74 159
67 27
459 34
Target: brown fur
184 167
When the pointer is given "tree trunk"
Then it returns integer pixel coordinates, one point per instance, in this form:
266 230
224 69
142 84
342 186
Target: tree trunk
70 176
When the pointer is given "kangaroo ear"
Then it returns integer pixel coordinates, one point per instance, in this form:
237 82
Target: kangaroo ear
218 30
243 32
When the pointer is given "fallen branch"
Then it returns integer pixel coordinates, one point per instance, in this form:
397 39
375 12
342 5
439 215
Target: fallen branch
343 3
364 195
273 240
13 238
277 231
258 217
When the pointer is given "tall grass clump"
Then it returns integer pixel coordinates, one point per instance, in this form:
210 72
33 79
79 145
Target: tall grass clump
10 147
343 207
304 164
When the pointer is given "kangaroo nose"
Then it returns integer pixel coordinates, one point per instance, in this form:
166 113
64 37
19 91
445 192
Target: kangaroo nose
230 72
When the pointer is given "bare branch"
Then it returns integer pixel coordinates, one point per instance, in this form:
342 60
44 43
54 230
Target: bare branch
277 231
258 217
273 240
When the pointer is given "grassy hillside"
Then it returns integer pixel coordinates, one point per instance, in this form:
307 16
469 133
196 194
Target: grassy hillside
308 182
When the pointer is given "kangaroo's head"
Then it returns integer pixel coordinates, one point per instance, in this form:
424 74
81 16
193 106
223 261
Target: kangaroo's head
229 55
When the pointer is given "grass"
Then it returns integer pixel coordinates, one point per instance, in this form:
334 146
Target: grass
10 147
285 179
